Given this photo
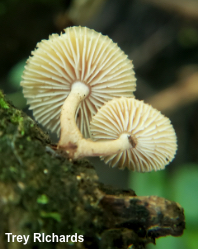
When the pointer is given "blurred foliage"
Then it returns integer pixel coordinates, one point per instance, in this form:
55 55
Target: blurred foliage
180 186
14 79
188 37
14 75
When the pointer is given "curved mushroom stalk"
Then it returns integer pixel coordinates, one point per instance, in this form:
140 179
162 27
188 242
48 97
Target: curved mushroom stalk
86 147
70 134
71 139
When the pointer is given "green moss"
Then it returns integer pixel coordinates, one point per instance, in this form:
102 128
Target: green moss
28 138
16 117
3 104
13 169
54 215
22 133
20 146
42 199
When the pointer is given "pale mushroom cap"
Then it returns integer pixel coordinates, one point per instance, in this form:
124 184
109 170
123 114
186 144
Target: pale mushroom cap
151 134
80 54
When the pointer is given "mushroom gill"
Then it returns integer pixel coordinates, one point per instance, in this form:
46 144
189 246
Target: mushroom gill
79 54
150 133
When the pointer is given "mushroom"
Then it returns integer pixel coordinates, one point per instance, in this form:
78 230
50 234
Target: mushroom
70 76
128 133
152 137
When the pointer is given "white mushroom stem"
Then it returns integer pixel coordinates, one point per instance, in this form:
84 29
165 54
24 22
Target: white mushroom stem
69 130
87 147
71 139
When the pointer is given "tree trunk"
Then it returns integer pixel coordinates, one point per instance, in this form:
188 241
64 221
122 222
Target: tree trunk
42 192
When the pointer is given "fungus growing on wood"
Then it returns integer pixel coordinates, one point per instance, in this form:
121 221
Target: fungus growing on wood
69 77
152 137
75 72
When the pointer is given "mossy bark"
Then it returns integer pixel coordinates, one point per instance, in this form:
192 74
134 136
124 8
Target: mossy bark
42 192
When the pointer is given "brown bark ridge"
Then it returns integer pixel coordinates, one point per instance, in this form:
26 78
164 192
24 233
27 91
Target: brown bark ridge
42 192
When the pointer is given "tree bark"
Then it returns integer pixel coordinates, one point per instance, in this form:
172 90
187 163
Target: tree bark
42 192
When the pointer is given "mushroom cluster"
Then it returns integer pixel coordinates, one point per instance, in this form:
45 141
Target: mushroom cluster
80 84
